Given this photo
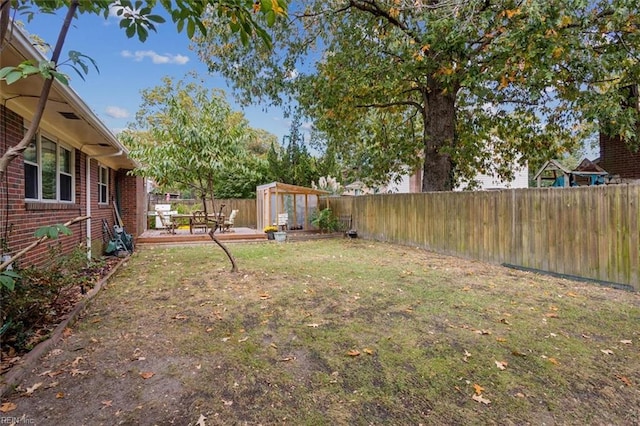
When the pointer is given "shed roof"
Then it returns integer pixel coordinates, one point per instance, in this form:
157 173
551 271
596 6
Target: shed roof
291 189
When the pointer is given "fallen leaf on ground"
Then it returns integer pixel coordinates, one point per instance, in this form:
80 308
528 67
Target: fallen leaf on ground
481 399
314 325
353 352
625 342
482 332
201 420
67 332
554 361
147 374
107 403
623 379
226 402
7 406
180 317
501 365
265 296
75 372
76 361
501 339
52 385
606 351
477 388
368 351
60 395
289 358
244 339
33 388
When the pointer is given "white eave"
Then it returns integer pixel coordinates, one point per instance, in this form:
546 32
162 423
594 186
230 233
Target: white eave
67 118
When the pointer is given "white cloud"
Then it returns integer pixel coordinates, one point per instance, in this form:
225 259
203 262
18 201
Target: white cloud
156 58
117 112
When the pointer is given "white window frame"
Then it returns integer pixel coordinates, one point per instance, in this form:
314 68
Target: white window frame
103 185
38 165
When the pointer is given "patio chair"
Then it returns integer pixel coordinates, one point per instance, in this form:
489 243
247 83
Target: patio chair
198 220
167 223
228 223
283 221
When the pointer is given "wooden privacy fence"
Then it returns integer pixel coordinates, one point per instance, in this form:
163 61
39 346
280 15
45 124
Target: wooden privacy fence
246 210
589 232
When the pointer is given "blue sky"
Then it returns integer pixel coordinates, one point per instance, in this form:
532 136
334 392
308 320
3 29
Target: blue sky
127 66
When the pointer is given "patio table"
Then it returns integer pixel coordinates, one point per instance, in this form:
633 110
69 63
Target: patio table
217 219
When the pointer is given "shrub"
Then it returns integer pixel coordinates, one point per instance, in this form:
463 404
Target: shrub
41 296
325 220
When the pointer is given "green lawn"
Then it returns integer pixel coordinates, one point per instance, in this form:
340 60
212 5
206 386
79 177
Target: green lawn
342 332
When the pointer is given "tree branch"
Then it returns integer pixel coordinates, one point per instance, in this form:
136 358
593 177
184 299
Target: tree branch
14 151
38 242
392 104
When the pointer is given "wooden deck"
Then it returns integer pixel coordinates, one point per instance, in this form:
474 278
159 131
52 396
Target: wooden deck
182 236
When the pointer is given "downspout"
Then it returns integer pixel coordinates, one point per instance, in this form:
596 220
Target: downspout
88 194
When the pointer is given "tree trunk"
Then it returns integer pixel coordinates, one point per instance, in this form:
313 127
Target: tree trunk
439 133
234 266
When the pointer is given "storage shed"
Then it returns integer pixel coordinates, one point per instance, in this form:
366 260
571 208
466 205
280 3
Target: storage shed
298 202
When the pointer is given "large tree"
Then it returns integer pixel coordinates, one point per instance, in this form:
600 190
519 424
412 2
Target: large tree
456 85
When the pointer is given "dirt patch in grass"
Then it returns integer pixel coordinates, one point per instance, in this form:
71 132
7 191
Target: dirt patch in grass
339 332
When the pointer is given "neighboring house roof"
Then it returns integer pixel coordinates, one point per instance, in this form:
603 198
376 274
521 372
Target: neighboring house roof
66 115
552 165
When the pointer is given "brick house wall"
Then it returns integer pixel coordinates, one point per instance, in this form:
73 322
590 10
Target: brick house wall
617 159
19 219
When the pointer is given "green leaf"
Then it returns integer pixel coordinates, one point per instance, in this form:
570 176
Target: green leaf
191 29
62 78
12 274
6 281
30 69
156 18
5 71
13 76
131 31
142 33
266 6
270 17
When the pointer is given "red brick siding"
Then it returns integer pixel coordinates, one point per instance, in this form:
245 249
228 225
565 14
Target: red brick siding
617 159
19 219
132 198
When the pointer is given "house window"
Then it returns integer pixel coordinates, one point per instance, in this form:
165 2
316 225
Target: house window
103 184
48 171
